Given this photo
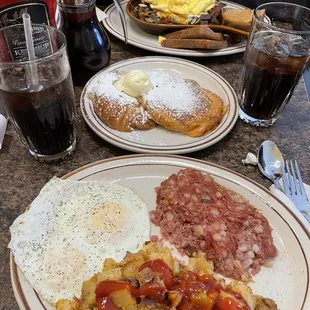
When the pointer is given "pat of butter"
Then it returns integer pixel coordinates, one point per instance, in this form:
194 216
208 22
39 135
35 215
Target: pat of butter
161 39
134 83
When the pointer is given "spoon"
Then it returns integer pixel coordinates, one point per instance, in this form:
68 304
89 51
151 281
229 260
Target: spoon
270 162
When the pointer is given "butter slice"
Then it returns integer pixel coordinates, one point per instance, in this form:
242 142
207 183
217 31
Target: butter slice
161 39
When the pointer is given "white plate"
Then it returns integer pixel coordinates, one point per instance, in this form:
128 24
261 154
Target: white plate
160 140
287 281
137 37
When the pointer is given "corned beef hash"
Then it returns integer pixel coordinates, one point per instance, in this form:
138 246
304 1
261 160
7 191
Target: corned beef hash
197 215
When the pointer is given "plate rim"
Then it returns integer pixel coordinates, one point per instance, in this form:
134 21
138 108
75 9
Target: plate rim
171 51
204 142
15 281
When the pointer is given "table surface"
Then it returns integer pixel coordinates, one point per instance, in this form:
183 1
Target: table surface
21 177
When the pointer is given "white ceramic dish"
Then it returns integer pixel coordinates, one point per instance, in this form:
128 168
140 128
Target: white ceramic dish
137 37
160 140
287 281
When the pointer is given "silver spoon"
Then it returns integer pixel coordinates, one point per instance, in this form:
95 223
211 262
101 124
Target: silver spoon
270 162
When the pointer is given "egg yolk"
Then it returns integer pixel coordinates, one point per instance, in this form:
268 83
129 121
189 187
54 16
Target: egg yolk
109 216
62 262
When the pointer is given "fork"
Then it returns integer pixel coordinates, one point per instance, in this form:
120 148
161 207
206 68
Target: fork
294 187
123 19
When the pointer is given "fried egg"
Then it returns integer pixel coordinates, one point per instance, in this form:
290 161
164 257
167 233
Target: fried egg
71 228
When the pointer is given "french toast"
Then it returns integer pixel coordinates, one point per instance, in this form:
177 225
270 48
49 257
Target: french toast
181 105
116 109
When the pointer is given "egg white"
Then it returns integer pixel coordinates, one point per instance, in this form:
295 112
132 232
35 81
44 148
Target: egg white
70 228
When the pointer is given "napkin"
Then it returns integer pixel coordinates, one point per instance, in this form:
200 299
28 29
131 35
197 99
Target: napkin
100 14
3 123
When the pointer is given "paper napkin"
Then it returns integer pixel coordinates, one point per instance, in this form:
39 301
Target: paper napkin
3 124
100 14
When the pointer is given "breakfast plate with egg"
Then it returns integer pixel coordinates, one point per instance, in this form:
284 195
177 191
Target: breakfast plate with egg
137 35
100 211
159 105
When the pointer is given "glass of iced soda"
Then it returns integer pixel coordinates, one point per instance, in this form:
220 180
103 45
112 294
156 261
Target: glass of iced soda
277 53
38 95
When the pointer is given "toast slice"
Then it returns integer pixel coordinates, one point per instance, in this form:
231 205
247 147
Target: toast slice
196 32
193 44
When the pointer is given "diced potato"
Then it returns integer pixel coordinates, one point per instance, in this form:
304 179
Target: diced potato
88 296
245 291
109 264
265 303
150 248
112 274
131 269
129 266
143 306
64 304
123 300
200 265
137 259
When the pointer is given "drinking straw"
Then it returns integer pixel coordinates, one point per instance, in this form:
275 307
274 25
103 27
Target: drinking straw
33 79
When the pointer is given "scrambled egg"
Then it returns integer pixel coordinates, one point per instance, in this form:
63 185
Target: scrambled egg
183 8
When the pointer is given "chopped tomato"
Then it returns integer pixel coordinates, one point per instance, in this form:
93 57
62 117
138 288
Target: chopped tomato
105 303
209 281
162 269
188 276
105 288
154 291
228 303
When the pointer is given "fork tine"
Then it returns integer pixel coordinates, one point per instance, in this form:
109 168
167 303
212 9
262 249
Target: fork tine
285 180
301 184
289 177
296 187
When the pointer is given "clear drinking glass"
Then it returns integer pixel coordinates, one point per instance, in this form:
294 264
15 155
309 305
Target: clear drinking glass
277 53
42 113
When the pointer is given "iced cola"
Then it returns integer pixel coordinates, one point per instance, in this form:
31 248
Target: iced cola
274 63
276 55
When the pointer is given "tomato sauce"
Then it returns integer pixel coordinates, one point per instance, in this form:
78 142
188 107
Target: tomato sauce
187 291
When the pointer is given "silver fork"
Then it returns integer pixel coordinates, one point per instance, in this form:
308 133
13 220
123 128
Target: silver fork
294 187
122 15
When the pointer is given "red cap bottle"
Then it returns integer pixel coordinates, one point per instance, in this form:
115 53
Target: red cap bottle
41 11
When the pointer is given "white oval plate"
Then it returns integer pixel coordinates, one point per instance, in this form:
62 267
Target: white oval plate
287 281
160 140
137 37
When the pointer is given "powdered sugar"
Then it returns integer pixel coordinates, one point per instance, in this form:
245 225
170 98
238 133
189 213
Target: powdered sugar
173 94
103 86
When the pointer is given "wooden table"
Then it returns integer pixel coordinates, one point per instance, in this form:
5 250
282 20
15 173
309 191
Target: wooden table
21 177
